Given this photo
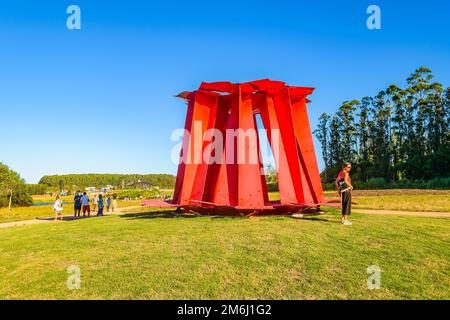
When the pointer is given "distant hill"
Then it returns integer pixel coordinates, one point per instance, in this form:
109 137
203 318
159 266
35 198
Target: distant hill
80 181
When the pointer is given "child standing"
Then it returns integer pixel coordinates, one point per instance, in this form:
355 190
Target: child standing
94 203
114 202
108 202
58 207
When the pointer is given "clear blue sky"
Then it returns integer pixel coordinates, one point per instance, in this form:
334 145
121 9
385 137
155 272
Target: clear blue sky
100 99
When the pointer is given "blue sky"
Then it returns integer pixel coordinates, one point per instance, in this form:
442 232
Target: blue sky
100 99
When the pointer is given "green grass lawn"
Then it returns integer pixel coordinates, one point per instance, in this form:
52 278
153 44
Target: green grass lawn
419 202
401 200
148 256
25 213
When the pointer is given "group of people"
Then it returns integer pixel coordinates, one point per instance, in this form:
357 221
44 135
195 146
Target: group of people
82 202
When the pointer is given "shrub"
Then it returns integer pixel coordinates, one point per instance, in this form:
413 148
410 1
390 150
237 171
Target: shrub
272 187
376 183
146 194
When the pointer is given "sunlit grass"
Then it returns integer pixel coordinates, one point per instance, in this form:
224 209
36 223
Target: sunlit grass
426 202
411 200
148 256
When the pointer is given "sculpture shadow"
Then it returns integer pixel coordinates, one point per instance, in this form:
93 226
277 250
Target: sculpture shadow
157 214
70 218
172 214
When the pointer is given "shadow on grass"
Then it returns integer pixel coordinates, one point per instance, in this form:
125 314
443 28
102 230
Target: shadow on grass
316 219
69 218
173 214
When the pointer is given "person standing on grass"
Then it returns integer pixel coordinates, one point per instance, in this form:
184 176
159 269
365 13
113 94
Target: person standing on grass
77 204
86 207
100 206
114 202
108 202
94 203
344 186
58 207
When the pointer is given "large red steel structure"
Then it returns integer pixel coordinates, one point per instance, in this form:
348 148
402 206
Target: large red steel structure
237 186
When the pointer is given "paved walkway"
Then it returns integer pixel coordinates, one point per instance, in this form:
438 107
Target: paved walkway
52 219
22 223
405 213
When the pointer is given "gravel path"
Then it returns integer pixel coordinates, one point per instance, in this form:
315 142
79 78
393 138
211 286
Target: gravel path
405 213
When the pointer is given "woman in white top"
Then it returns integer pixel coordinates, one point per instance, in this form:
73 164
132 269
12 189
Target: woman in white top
95 203
58 207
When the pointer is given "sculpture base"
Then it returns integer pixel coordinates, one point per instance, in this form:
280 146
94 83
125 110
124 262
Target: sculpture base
273 208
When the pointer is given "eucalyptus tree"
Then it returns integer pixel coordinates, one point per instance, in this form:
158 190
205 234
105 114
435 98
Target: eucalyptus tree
335 146
348 130
398 130
380 135
419 89
399 134
323 135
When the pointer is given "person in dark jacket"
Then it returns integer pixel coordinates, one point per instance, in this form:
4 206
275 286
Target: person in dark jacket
77 204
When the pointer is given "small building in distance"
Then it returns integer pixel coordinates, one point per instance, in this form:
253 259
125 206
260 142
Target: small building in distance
138 184
107 189
102 190
90 189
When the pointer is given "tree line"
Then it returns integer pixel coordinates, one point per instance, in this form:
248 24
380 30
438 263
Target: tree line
120 181
13 191
400 135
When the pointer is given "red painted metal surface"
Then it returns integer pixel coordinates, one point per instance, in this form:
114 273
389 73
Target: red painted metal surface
235 182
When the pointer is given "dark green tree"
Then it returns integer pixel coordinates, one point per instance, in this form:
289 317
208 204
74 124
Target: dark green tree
348 130
398 135
12 189
323 135
335 147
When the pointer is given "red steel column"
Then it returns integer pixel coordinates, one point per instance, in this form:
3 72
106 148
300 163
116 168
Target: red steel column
220 185
284 116
210 100
306 148
198 124
250 184
183 153
270 121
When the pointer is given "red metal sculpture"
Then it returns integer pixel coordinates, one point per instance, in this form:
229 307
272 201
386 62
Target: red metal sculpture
221 175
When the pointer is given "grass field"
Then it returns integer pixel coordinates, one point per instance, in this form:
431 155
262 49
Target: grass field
156 256
401 200
406 200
